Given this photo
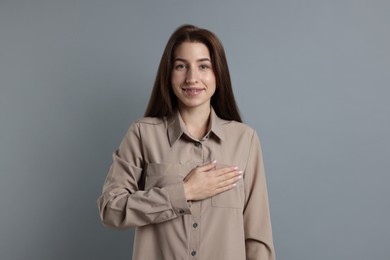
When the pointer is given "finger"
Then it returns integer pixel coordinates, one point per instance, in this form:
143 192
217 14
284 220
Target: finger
225 170
232 179
225 188
208 166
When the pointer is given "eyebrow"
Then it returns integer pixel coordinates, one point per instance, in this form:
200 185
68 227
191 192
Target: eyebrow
200 60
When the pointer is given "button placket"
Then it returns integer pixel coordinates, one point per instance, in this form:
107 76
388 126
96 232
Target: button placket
194 231
198 151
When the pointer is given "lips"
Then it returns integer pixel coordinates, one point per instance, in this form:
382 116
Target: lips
192 91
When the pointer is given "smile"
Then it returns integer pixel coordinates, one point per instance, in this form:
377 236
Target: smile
192 91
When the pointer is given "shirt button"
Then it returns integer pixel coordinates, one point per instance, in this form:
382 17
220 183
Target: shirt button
193 253
195 225
181 211
197 144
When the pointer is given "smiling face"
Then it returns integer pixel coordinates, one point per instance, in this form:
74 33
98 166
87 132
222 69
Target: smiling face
193 79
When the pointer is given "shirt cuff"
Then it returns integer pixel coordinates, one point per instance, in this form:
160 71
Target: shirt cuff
177 198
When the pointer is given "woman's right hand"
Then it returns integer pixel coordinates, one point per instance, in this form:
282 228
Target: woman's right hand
206 181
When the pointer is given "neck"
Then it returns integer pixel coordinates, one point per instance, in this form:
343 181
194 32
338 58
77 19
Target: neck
196 121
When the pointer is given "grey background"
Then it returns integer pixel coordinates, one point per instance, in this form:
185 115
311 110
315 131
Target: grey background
311 76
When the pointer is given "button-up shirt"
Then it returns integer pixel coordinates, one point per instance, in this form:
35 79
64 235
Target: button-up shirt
144 189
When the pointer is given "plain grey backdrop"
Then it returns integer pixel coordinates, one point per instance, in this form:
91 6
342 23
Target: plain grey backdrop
312 77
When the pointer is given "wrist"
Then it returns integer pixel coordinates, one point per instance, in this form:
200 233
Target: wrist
187 192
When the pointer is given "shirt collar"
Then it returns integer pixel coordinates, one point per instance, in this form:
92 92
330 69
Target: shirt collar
176 126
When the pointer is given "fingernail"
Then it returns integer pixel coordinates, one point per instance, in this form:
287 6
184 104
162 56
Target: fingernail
215 161
240 172
235 168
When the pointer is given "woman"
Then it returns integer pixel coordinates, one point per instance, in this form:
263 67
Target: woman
189 176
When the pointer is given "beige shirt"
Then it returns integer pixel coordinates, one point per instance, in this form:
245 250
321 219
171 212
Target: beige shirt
144 189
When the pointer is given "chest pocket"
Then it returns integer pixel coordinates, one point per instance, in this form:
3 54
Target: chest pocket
163 174
233 198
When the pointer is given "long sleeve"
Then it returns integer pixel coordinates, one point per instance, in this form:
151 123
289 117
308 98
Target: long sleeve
257 222
124 203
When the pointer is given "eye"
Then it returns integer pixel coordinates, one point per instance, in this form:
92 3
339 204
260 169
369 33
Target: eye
204 66
181 67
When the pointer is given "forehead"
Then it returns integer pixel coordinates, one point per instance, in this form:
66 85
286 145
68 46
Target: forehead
191 50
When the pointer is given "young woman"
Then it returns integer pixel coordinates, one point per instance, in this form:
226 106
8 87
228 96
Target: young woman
189 175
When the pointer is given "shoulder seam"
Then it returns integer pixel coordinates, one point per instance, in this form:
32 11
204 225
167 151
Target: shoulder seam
149 121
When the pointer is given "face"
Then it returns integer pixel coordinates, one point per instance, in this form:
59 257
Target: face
193 79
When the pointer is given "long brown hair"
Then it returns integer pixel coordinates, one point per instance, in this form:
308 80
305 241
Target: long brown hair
163 101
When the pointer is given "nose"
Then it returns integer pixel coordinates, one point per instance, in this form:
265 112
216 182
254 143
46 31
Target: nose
191 76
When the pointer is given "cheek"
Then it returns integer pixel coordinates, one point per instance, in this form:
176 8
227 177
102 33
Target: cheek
176 79
210 79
